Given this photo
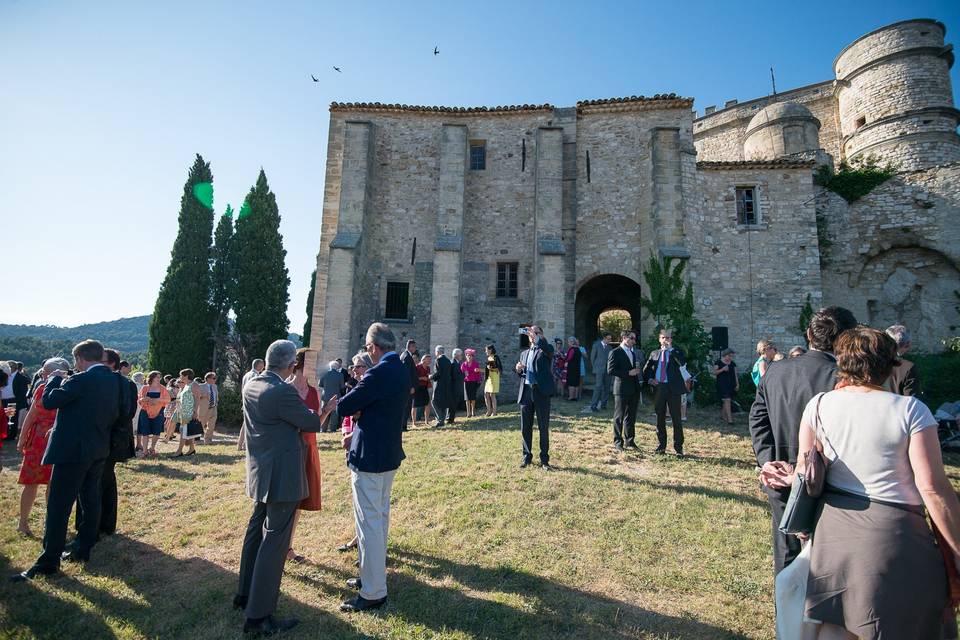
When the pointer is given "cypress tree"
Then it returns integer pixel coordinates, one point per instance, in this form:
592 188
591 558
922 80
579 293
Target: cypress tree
222 285
308 325
262 291
179 329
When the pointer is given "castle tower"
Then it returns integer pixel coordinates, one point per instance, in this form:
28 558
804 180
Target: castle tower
895 99
781 129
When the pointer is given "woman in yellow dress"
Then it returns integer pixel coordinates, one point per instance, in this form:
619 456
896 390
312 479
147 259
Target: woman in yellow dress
492 386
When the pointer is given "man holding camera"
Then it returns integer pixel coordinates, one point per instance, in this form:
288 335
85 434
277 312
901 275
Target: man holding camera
536 389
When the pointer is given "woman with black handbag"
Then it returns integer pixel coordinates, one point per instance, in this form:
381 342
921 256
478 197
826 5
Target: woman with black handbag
875 568
188 424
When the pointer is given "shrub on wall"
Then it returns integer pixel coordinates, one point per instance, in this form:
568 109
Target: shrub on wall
853 181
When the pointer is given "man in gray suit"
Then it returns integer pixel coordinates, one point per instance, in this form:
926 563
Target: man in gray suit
332 385
599 354
277 482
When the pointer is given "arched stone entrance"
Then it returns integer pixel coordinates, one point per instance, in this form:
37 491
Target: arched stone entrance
599 293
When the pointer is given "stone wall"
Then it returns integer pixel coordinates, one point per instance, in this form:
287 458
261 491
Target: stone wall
893 255
755 279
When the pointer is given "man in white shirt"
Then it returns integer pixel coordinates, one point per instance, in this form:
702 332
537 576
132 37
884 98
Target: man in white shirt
207 409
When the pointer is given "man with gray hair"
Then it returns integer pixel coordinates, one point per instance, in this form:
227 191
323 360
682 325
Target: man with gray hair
276 481
332 385
375 450
904 379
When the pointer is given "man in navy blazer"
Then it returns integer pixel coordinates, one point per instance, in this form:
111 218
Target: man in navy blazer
536 389
375 450
88 404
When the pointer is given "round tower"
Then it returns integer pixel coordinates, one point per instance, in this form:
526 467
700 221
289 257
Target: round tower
895 99
781 129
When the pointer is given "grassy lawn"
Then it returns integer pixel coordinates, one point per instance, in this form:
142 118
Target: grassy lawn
606 546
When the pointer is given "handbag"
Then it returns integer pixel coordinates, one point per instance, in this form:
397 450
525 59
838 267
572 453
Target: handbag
801 508
194 429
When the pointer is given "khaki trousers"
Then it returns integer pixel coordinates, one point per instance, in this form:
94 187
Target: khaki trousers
371 507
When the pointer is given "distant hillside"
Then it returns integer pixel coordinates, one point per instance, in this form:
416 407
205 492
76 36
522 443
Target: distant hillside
125 334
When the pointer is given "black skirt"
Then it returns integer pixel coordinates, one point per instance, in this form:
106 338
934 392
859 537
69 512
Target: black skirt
421 397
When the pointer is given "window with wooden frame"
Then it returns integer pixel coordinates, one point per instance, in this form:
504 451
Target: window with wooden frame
747 211
398 301
507 279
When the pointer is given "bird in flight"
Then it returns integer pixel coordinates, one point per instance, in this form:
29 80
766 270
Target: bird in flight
337 69
436 51
314 78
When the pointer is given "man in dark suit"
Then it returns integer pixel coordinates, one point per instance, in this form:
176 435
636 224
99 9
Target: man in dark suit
622 364
410 360
457 392
662 371
783 393
375 450
904 379
87 407
121 448
536 389
276 481
442 377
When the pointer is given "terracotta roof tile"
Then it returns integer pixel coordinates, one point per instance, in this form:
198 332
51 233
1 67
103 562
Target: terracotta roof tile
660 97
378 106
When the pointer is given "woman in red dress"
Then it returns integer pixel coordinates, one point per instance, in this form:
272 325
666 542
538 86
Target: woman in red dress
311 398
33 443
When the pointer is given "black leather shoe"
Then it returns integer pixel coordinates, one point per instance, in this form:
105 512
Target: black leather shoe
362 604
632 445
239 602
546 466
269 625
524 464
74 556
32 573
618 447
354 583
679 452
660 450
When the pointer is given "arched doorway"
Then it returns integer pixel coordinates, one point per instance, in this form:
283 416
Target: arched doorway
602 293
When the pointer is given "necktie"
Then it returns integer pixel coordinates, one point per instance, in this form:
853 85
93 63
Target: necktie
663 365
213 395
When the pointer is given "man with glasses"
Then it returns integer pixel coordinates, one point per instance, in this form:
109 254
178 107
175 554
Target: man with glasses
375 450
622 364
662 371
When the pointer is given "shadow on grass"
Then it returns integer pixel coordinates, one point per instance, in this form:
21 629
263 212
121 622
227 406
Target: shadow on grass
502 602
160 596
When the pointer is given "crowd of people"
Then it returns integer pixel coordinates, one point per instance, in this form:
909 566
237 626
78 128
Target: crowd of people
876 568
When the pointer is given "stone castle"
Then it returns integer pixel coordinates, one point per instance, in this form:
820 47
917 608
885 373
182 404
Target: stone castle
458 225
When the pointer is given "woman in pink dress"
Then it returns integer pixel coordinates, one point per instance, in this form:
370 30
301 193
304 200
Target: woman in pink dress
33 443
472 377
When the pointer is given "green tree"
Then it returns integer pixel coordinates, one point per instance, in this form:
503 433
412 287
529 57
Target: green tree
179 331
262 291
308 325
222 286
670 303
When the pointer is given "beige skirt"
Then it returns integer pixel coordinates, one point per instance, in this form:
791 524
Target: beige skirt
875 570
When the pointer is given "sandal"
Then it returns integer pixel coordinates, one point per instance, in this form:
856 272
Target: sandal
346 547
296 557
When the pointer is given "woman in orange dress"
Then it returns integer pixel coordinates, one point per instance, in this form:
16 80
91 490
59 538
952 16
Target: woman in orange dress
311 398
33 443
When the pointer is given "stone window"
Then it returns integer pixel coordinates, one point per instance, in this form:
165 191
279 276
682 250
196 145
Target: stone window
747 211
478 155
862 120
398 300
507 279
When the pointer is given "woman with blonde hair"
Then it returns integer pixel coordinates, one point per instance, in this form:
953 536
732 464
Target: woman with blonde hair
766 353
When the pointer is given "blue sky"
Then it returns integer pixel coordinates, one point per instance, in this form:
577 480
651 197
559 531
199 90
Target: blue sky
103 106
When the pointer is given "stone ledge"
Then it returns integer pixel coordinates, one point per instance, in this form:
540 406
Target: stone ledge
733 165
345 240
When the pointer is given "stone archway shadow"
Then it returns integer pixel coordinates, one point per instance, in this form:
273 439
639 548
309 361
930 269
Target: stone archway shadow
600 293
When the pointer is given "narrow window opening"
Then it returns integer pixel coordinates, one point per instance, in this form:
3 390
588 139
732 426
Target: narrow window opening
413 252
588 165
523 154
862 120
746 206
398 300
